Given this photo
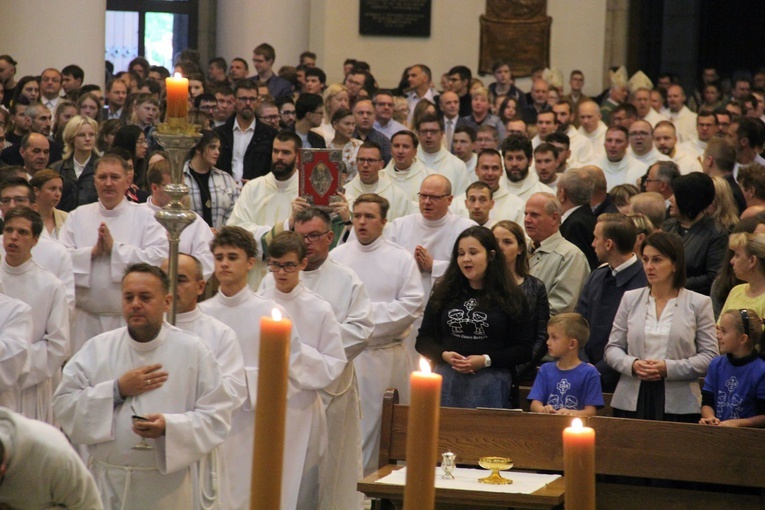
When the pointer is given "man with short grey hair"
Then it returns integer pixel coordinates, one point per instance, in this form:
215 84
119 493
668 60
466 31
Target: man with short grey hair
578 221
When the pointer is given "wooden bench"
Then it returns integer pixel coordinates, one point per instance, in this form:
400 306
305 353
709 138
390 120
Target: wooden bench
726 465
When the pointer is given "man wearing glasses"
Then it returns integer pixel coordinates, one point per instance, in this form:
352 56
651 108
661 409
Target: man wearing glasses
641 144
245 145
268 113
384 123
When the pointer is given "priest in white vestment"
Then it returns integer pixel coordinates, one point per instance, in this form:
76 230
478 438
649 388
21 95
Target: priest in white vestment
344 291
617 165
706 128
430 237
41 469
679 114
435 156
104 238
223 343
46 295
195 238
641 144
237 306
147 383
15 342
371 179
592 128
314 320
580 147
267 200
405 170
397 301
665 140
507 206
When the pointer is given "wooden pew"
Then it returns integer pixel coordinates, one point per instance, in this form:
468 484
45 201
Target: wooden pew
727 465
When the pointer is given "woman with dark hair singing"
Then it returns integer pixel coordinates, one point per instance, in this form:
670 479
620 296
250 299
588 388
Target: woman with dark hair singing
476 325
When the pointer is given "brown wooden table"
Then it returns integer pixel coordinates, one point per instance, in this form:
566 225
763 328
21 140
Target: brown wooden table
550 496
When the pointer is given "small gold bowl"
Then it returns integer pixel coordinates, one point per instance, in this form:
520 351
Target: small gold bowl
495 464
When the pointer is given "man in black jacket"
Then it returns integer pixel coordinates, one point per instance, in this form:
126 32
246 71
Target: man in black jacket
578 221
245 144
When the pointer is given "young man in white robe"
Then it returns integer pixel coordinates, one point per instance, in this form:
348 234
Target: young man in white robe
434 155
195 238
46 295
104 238
397 301
40 469
404 169
520 181
148 379
48 253
371 179
15 342
315 322
223 343
344 291
237 306
429 236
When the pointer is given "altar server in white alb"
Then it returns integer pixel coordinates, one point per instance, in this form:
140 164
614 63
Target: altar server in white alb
46 295
344 291
237 306
145 384
315 322
195 238
430 237
15 341
223 343
104 238
397 301
40 469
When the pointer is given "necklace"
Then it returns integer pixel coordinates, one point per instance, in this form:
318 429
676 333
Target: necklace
204 191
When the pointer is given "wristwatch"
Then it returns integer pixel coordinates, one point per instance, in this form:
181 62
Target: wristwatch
486 360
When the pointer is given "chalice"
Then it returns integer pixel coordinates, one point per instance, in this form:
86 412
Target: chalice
142 445
495 464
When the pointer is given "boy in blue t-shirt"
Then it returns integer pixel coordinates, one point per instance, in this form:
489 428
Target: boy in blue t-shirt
734 388
568 386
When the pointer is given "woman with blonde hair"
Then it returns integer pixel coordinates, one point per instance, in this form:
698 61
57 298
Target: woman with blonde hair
344 124
78 164
723 207
480 113
48 186
644 228
335 97
401 110
748 263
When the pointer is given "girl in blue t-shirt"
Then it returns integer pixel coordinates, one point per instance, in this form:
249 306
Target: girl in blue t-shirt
734 389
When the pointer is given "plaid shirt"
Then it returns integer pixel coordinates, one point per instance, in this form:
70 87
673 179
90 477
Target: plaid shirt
223 194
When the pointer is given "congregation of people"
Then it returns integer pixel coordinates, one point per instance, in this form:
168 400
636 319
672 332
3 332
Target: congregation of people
583 246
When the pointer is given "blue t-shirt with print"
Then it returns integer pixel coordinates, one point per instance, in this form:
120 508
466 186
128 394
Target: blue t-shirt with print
567 389
736 389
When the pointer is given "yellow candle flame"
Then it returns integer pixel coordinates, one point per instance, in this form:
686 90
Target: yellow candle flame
424 366
576 424
276 314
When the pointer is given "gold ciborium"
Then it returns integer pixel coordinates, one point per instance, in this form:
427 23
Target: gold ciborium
495 464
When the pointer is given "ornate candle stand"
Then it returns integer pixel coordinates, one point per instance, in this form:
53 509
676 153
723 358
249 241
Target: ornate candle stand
177 138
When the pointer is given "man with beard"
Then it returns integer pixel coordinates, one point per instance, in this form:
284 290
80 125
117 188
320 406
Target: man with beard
665 140
267 200
517 153
580 148
245 144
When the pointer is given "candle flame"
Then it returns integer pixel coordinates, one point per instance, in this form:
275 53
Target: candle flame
424 366
276 314
576 423
177 75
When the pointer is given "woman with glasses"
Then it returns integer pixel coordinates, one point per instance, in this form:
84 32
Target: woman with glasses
476 326
344 124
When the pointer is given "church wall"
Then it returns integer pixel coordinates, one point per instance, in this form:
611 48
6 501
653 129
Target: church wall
44 33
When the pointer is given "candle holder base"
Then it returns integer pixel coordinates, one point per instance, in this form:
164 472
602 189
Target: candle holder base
495 464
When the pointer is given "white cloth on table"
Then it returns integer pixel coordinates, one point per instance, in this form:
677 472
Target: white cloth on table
193 401
46 295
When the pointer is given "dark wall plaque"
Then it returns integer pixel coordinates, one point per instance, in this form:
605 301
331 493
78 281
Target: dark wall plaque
402 18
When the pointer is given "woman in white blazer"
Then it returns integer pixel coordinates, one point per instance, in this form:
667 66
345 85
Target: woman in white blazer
662 340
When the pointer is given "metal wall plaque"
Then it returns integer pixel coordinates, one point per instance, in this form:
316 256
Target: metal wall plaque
397 18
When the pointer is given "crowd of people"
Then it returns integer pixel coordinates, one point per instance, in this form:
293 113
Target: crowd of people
581 245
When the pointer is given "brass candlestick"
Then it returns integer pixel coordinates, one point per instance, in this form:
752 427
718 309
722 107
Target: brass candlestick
177 137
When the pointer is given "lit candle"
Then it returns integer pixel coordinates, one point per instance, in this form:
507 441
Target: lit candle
579 466
177 97
422 439
270 412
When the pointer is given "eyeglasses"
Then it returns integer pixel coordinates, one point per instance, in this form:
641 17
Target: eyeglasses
18 200
366 161
289 267
432 198
314 236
